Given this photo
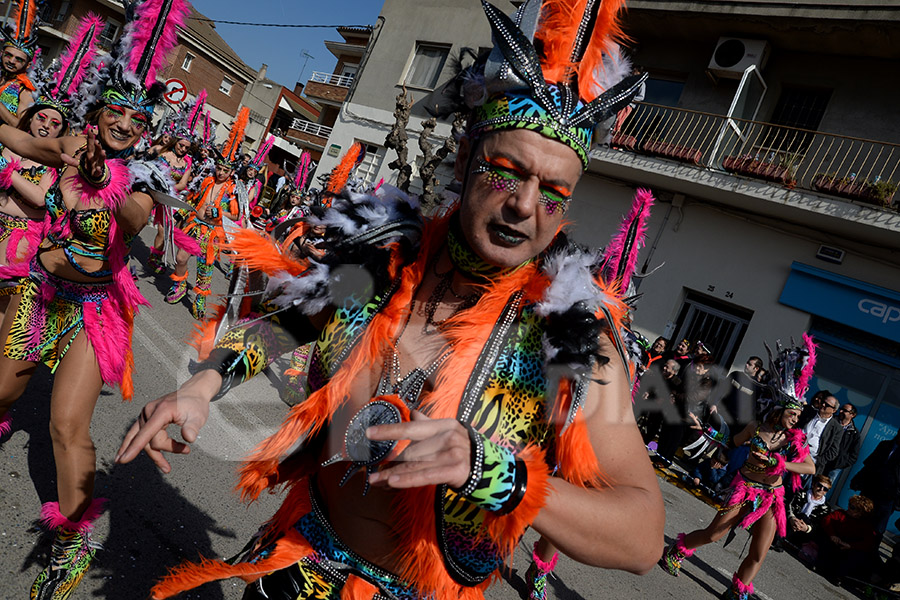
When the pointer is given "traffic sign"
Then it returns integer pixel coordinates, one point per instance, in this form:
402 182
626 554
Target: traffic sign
176 91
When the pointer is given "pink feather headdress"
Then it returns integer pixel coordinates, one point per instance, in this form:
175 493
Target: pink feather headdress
620 261
60 92
150 34
260 159
184 123
302 171
209 132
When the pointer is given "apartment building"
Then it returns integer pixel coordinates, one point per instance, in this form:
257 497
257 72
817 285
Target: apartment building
768 133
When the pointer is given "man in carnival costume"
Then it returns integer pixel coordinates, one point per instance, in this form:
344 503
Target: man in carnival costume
215 199
74 303
19 47
444 397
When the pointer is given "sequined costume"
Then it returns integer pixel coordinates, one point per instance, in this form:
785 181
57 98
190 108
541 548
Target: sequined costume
11 91
209 234
759 496
15 229
53 310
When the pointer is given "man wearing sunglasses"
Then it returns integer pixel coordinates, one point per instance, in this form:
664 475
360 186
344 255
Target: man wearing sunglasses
823 433
850 444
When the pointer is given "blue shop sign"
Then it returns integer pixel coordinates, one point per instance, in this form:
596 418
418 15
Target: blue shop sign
866 307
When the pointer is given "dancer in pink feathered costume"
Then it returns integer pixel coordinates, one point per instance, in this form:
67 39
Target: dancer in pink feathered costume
778 451
73 304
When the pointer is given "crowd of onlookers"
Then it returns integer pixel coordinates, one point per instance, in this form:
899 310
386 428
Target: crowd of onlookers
689 409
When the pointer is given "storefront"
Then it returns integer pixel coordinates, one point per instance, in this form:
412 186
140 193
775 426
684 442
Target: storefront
857 326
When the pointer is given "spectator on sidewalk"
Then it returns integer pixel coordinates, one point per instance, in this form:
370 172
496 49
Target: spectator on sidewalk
740 402
806 510
823 431
848 544
879 479
851 442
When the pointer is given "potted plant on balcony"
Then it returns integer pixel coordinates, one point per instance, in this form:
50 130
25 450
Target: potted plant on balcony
879 192
882 192
672 150
779 169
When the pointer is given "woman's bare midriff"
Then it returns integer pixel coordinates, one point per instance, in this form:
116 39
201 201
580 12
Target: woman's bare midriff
57 263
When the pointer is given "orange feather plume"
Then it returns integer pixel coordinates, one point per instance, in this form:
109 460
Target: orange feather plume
258 251
236 135
341 173
25 23
558 31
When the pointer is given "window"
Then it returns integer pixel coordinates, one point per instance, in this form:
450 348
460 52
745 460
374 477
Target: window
225 86
371 163
666 92
109 34
719 325
188 59
799 108
349 71
63 11
426 66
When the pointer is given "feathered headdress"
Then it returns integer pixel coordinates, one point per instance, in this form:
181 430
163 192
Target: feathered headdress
184 123
339 175
621 255
260 159
22 33
790 372
302 174
209 132
60 90
130 79
555 69
231 150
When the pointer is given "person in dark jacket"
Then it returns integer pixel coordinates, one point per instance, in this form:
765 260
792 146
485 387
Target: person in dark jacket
848 543
823 431
851 442
879 479
806 510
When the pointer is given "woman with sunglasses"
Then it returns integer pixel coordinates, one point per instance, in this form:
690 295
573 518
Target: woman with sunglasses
74 302
755 500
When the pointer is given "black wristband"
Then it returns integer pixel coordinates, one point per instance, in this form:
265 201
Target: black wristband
223 361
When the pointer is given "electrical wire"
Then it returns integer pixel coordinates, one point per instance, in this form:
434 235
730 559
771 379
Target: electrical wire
289 25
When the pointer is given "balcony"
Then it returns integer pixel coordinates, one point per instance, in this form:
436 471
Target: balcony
856 169
328 87
308 133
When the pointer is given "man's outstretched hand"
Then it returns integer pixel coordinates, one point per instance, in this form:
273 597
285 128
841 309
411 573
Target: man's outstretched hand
439 452
188 408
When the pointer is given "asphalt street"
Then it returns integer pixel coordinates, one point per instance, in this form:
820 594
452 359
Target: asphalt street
153 521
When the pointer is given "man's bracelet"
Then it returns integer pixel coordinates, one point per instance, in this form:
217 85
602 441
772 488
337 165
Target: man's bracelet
223 362
497 478
104 180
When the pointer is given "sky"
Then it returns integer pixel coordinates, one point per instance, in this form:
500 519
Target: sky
281 48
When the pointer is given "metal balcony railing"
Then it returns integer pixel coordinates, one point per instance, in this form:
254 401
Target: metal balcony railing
844 166
311 128
332 79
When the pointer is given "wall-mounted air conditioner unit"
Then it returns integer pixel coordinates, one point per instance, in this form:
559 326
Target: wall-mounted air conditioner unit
734 55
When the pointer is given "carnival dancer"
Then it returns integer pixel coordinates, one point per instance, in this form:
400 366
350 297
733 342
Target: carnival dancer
215 199
778 450
75 301
19 47
249 177
463 377
176 157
